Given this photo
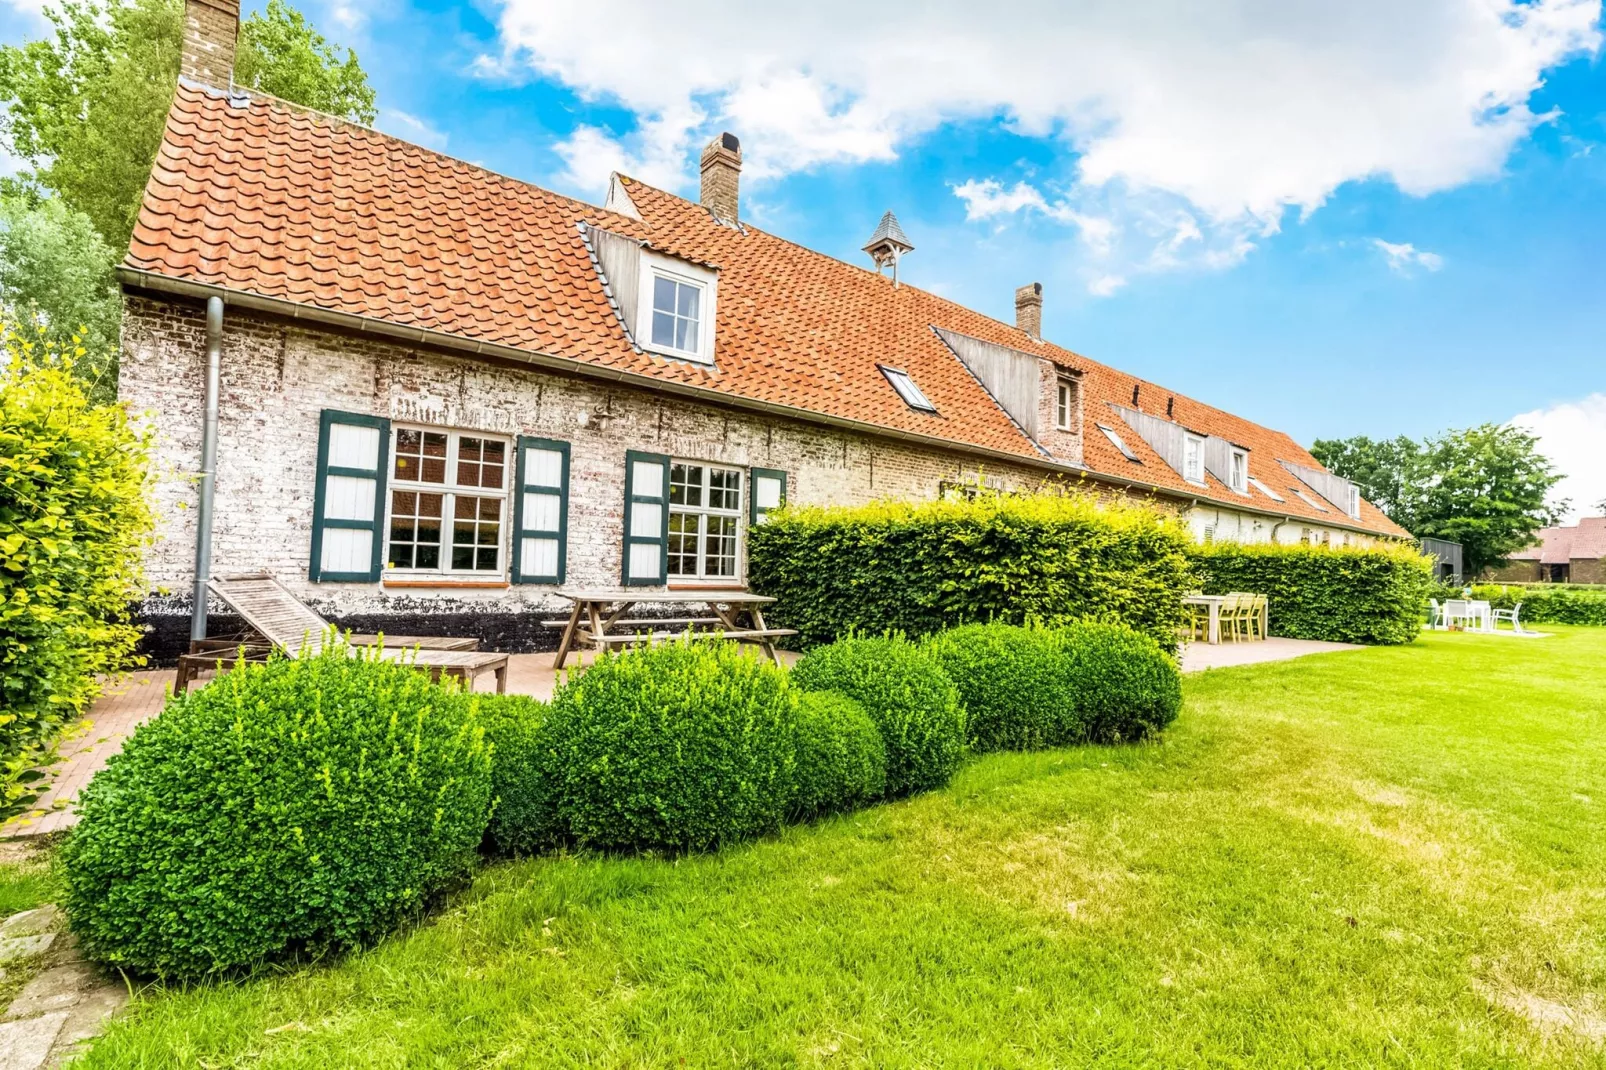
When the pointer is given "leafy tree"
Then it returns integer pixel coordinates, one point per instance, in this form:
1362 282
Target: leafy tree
1484 487
86 106
1381 469
282 55
56 273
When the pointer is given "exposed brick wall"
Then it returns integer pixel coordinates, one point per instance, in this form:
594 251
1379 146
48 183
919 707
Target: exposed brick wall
278 377
1514 572
211 29
721 178
1586 570
1064 445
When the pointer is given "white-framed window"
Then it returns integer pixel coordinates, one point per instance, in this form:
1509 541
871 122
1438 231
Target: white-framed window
1238 469
675 314
1064 404
448 503
1192 458
705 521
911 394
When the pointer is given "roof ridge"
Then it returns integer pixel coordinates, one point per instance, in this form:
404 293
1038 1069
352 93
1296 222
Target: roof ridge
339 120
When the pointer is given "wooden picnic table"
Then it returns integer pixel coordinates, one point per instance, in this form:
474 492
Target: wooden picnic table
598 618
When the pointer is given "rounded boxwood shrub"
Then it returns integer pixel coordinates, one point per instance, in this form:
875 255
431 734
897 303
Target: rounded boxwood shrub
524 818
841 759
907 695
297 805
1013 684
1126 687
683 746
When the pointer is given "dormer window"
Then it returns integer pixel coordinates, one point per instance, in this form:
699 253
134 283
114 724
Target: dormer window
1193 458
907 390
1064 404
675 315
1238 471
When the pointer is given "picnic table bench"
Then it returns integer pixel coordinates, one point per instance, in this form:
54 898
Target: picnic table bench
599 619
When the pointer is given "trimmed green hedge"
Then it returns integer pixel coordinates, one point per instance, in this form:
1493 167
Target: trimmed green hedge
291 806
1340 594
1125 687
841 759
918 568
907 695
1551 603
684 746
1013 683
524 819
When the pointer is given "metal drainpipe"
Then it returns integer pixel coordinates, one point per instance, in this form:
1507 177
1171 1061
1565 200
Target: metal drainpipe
203 518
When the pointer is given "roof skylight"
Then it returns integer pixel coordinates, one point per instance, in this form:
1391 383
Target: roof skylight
1115 440
907 390
1267 491
1308 500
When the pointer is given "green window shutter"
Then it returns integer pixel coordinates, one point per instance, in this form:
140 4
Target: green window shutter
348 508
767 492
541 511
646 550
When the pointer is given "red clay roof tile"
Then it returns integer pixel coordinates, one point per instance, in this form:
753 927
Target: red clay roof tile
256 195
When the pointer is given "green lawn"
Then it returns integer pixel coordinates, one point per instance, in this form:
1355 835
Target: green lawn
1391 857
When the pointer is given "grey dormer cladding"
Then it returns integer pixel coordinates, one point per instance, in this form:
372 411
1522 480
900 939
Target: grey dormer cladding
620 260
1011 376
1218 460
1336 489
1169 439
1165 437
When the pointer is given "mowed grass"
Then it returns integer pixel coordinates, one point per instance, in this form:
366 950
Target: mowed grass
1391 857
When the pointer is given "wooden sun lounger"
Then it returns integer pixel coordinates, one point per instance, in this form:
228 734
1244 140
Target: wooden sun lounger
282 620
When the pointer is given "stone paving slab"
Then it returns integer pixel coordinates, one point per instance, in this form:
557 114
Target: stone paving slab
25 1045
25 947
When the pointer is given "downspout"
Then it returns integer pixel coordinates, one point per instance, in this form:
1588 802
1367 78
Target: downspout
203 518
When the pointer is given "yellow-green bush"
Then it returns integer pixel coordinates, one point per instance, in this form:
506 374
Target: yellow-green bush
73 521
1552 603
918 568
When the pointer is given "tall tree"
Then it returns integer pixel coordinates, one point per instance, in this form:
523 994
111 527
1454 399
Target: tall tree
1484 487
1381 469
86 105
56 274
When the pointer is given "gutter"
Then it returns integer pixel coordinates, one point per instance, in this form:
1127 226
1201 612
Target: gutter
141 279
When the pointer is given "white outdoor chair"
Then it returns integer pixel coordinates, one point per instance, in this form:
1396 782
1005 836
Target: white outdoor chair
1511 614
1437 620
1457 610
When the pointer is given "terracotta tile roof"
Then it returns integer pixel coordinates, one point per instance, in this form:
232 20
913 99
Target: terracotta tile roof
1557 546
256 195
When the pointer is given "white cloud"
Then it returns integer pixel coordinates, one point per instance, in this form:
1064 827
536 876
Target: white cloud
1403 256
33 10
989 199
411 128
1573 435
1105 285
1237 109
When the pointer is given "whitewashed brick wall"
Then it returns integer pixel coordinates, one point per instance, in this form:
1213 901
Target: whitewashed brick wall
277 379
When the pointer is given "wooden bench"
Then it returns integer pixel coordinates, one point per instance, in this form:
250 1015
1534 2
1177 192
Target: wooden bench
285 622
221 655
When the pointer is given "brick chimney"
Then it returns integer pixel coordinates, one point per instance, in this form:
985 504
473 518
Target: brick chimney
211 28
722 170
1029 310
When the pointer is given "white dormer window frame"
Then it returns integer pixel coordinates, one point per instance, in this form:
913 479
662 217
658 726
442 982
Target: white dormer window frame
1193 457
1064 403
661 327
1238 469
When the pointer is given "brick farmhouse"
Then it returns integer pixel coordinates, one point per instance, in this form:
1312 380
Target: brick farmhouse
440 392
1572 554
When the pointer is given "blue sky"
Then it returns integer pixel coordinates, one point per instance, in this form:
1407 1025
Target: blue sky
1334 219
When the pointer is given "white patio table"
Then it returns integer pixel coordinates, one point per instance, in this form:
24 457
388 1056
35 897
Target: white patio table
1211 602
